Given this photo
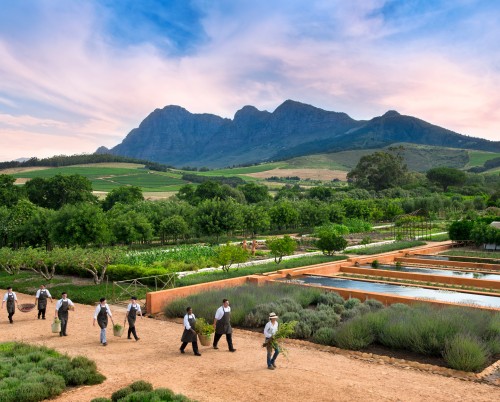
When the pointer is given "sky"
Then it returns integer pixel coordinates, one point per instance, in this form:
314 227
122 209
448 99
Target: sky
79 74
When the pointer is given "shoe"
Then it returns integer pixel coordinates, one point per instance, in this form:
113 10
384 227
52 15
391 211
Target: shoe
182 351
43 318
215 347
274 365
60 334
38 317
197 354
104 344
270 367
128 337
232 350
136 339
65 334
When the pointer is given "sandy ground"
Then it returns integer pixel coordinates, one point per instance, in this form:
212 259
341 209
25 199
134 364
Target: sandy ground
315 174
218 375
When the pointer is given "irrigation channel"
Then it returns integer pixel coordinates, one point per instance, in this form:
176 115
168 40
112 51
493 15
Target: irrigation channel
442 272
401 290
459 259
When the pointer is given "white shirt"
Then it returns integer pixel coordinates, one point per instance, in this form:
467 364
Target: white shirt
220 312
137 307
7 295
38 293
270 329
59 303
98 309
186 321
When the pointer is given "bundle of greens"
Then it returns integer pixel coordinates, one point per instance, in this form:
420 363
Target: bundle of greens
285 330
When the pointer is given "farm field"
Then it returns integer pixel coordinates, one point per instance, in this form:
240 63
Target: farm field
307 374
477 158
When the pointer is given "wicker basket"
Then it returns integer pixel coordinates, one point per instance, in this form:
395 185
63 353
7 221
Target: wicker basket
118 331
205 340
26 307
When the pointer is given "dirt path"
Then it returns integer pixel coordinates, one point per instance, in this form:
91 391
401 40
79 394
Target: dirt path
307 374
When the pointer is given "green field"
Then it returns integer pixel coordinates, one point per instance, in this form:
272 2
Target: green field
244 170
89 172
477 158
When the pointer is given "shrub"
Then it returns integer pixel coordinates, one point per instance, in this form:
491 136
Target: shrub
373 304
351 303
302 330
324 336
330 298
121 393
31 392
100 400
290 316
375 264
355 335
466 353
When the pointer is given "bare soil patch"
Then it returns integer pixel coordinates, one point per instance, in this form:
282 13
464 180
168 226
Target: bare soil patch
313 174
308 374
23 169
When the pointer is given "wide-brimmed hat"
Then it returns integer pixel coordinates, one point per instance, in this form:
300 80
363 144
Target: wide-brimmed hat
273 315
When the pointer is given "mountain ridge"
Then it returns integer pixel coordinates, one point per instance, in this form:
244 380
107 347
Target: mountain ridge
175 136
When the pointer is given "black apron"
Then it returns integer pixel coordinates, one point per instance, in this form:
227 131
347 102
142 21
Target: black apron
132 314
102 317
11 305
188 335
223 326
63 310
42 299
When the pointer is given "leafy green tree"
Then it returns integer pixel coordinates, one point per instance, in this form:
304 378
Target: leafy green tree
10 194
215 217
35 231
328 243
378 171
174 227
19 215
483 233
255 193
79 225
279 247
283 215
336 213
123 195
129 227
321 193
229 254
96 262
445 177
312 213
460 230
255 219
186 193
289 192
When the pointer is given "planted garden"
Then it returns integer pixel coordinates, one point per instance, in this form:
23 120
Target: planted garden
142 391
35 373
466 339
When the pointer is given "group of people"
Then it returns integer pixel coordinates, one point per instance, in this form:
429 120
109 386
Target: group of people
221 324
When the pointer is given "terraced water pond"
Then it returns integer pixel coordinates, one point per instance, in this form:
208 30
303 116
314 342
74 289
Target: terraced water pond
459 259
400 290
442 272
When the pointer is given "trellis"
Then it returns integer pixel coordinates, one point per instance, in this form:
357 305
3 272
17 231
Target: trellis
413 226
124 290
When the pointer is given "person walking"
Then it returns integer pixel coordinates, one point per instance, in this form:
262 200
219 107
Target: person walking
269 331
132 310
11 299
41 297
222 325
101 314
189 335
63 305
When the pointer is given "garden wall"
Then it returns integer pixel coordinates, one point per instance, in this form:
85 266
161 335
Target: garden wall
456 264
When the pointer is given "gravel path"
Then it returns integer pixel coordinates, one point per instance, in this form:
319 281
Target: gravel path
307 375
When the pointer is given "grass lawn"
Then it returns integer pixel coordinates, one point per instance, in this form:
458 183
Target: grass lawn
399 245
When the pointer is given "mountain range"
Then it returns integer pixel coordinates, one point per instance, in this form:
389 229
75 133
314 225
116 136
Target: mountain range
176 137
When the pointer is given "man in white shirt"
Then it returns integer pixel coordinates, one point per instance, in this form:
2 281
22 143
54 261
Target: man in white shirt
101 314
62 306
11 299
189 335
41 297
269 331
222 325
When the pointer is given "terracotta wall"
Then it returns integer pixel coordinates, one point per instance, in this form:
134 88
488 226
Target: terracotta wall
457 264
424 277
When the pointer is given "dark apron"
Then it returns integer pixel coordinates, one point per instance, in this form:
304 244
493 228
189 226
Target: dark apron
102 317
63 310
42 300
223 326
132 314
188 335
11 305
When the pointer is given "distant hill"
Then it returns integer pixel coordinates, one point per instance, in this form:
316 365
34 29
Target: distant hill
174 136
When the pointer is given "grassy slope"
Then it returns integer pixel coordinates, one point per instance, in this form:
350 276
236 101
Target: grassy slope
477 158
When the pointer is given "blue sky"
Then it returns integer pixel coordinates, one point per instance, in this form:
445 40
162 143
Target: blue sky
78 74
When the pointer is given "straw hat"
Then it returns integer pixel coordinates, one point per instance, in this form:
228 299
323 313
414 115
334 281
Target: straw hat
273 315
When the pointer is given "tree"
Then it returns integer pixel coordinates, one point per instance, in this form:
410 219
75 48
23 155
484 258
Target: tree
279 247
215 217
125 195
96 262
445 177
378 171
174 227
10 194
283 214
328 243
255 193
229 254
130 226
460 230
255 219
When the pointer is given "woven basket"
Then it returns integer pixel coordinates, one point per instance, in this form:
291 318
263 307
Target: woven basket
26 307
205 340
118 331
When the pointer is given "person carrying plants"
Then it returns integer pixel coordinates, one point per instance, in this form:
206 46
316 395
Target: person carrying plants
11 299
132 310
101 316
63 305
41 297
269 331
189 335
222 325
